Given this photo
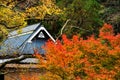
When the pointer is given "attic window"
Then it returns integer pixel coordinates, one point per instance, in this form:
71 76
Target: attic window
41 35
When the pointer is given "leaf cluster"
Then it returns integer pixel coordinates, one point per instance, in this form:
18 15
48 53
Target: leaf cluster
76 58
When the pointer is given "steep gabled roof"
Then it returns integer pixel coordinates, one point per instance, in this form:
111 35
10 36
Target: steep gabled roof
28 46
15 40
22 41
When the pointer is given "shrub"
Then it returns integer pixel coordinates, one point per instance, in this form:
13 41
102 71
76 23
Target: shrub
76 59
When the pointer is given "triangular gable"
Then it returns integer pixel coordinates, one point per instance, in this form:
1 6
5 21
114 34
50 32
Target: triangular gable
28 41
40 34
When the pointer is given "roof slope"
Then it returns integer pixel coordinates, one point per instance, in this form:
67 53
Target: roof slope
23 42
15 40
24 30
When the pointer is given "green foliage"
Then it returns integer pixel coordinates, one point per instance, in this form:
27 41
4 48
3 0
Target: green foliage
110 13
84 15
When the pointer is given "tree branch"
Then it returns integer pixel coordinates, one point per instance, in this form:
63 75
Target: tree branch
61 31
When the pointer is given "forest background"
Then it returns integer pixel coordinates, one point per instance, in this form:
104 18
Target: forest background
85 17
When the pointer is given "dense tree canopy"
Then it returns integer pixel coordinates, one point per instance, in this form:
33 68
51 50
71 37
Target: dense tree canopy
79 59
16 14
86 16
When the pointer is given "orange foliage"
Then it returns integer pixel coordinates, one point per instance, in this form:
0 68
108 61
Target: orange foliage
84 59
29 77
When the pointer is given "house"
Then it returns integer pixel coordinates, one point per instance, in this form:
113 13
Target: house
31 37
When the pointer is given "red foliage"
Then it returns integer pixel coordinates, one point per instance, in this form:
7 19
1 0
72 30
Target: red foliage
85 59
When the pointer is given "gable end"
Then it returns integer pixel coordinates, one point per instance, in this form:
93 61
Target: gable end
42 35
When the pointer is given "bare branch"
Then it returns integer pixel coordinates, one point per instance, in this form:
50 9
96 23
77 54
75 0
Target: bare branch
61 31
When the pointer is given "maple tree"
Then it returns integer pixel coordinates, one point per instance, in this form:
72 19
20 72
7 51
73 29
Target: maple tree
78 59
